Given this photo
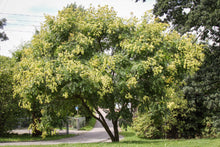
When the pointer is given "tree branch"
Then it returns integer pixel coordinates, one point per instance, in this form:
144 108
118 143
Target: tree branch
105 125
123 107
101 119
99 42
87 107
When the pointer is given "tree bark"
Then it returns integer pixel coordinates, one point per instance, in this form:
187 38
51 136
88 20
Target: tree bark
105 125
116 133
35 131
35 118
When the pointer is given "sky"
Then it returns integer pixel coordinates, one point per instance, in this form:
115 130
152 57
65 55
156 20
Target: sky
25 16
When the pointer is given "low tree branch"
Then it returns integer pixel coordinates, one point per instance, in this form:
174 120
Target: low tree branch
87 107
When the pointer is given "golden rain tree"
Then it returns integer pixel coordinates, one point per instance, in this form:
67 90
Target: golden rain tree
102 61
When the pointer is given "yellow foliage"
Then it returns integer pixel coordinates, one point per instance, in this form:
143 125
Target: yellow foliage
128 96
65 95
95 50
131 82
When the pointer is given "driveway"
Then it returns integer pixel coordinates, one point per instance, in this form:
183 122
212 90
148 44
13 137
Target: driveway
97 134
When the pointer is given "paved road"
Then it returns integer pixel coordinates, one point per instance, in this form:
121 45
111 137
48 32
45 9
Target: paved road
97 134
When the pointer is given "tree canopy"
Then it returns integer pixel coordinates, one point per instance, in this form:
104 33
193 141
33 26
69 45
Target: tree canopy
9 109
201 90
93 57
190 15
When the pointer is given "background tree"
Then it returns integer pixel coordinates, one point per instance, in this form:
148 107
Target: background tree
9 109
187 16
201 92
101 61
2 33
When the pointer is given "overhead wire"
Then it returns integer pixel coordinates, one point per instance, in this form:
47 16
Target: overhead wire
22 20
19 31
15 21
21 14
16 24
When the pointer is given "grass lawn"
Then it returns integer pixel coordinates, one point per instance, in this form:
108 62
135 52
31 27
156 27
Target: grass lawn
151 143
130 140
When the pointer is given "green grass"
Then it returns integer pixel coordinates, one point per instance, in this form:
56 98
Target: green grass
27 137
89 125
146 143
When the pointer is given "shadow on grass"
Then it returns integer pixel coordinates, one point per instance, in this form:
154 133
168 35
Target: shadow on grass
131 138
128 134
147 141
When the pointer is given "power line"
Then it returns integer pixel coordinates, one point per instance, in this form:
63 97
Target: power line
23 25
22 20
20 14
19 31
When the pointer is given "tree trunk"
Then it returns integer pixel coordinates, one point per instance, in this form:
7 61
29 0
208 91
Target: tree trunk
115 126
101 119
35 131
114 137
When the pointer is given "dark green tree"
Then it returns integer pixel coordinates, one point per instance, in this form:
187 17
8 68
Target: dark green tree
202 16
9 109
203 93
3 36
202 90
